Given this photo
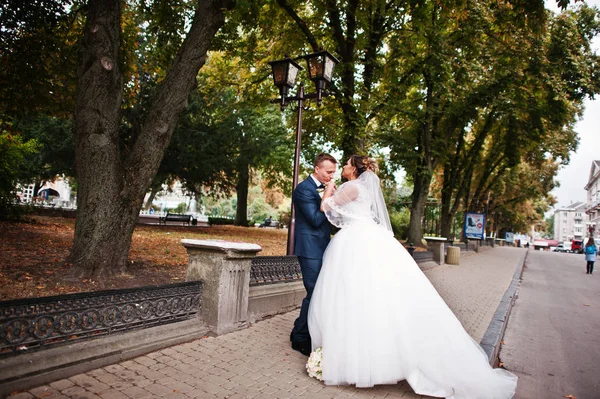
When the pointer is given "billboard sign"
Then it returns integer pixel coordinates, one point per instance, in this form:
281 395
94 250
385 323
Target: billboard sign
509 237
475 225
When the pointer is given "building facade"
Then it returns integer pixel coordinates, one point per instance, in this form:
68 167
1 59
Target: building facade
570 222
592 206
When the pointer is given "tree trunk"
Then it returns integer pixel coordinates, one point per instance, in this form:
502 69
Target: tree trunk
153 191
417 208
446 220
112 181
241 188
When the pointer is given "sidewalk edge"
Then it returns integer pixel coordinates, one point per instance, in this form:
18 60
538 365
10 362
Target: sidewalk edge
492 338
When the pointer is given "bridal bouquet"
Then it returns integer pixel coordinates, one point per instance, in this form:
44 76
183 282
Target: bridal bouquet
313 365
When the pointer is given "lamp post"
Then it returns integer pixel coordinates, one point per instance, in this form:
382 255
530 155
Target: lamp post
320 70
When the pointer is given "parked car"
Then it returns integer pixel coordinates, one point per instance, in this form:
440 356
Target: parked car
561 248
577 246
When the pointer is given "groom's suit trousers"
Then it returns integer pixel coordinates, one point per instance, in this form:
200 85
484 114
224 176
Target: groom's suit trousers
310 272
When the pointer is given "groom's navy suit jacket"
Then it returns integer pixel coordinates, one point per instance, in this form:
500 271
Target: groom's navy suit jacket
313 230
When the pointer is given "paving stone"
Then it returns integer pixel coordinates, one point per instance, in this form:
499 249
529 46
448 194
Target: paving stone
143 383
61 384
87 395
158 390
197 393
114 368
137 393
176 395
108 378
165 381
44 391
112 394
181 387
21 395
206 386
121 385
89 383
157 366
73 391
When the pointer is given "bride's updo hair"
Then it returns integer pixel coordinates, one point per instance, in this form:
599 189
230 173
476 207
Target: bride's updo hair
362 164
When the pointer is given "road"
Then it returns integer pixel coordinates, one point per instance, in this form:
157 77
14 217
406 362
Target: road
552 341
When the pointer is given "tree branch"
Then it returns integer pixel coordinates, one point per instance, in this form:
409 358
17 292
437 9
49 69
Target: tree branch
312 41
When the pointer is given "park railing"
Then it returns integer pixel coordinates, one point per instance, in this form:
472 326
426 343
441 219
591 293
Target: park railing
274 269
35 323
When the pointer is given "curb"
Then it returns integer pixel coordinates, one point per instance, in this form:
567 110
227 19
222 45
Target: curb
492 339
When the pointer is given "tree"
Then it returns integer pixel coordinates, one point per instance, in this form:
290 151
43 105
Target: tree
113 178
531 120
238 133
481 74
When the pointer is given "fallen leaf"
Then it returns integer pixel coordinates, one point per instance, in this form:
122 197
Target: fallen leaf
585 304
500 364
502 342
571 397
45 394
40 287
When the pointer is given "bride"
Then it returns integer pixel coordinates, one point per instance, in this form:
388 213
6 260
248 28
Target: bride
377 317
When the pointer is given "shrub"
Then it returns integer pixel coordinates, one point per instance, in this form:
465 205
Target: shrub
400 221
220 220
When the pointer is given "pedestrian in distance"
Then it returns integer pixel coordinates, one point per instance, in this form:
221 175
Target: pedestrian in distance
590 255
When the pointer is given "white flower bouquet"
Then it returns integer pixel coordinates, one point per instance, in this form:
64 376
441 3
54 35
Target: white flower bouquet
313 365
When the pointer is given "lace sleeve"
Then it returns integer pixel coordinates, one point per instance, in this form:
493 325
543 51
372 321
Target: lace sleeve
335 207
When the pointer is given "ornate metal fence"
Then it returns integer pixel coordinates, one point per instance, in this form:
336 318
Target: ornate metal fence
274 269
27 324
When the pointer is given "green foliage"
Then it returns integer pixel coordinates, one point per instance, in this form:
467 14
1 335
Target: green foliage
259 210
38 42
56 154
14 168
400 221
550 226
181 208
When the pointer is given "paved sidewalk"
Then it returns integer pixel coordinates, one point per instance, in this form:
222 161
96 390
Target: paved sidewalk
258 362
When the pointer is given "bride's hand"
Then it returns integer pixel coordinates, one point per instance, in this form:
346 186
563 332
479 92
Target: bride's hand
330 187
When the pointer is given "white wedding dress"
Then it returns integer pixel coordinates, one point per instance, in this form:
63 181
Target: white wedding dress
377 317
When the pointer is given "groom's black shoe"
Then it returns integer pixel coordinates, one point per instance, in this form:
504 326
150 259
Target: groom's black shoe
303 347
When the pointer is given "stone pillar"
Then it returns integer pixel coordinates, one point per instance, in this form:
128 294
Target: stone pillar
436 245
477 245
224 267
438 251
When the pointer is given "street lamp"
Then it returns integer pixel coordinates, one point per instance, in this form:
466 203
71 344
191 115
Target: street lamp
320 70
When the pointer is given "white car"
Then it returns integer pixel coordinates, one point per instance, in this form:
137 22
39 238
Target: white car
561 248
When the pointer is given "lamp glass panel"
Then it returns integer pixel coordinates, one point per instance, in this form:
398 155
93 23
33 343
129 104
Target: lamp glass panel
329 64
279 73
315 66
292 74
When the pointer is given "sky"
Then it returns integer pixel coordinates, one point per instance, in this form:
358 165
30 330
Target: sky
573 177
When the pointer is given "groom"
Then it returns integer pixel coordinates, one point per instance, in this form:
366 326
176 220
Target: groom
312 235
